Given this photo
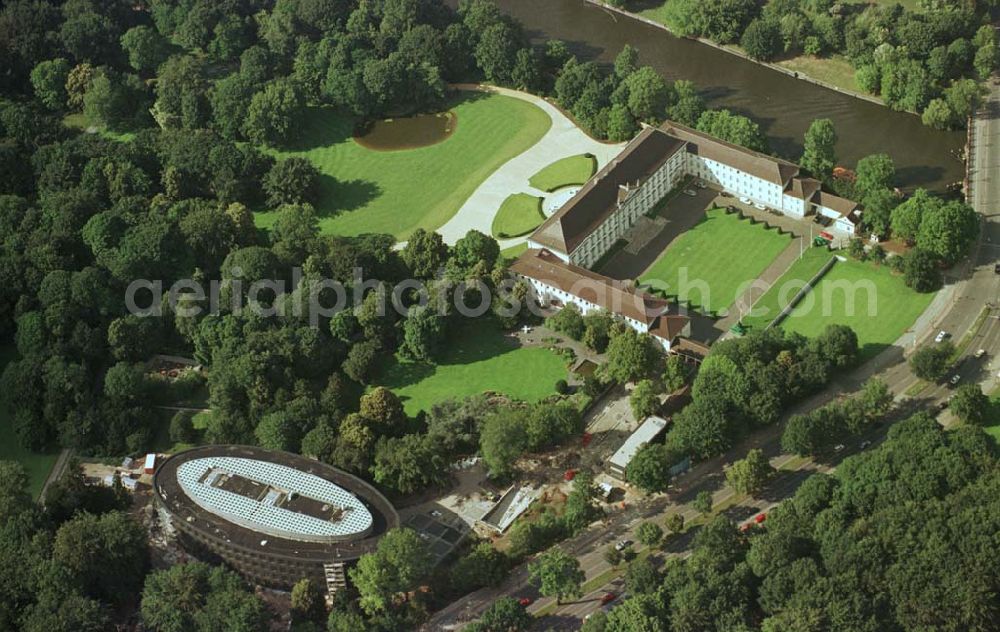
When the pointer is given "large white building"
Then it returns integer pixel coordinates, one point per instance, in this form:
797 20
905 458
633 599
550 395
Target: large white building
577 235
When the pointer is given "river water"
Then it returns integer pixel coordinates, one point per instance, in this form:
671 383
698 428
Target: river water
782 105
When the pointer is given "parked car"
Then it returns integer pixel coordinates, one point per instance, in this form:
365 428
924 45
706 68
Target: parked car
623 544
955 379
608 598
760 518
759 207
864 444
525 601
941 336
701 184
690 192
838 447
980 353
746 200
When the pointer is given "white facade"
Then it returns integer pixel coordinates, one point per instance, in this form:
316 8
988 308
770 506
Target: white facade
638 201
739 183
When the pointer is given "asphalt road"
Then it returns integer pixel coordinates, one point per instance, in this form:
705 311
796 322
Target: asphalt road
971 286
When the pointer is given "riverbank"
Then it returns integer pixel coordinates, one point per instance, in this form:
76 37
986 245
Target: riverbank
796 74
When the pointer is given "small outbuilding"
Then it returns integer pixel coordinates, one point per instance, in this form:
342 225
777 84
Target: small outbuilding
650 429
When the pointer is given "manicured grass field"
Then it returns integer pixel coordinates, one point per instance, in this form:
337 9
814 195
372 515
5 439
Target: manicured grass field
514 251
883 307
562 173
719 254
395 192
478 358
786 287
519 214
37 466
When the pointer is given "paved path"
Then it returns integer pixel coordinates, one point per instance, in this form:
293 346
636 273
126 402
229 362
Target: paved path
563 139
56 472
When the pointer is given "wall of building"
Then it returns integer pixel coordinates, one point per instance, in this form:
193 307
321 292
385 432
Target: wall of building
737 182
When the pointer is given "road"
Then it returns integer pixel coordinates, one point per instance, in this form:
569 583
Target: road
970 286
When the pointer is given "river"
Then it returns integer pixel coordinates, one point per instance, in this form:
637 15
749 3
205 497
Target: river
782 105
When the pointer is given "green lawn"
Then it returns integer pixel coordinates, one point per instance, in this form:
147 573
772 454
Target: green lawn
836 70
708 264
79 121
784 290
478 358
561 173
883 307
519 214
38 466
514 251
366 191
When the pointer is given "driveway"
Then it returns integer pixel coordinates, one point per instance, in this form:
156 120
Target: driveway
563 139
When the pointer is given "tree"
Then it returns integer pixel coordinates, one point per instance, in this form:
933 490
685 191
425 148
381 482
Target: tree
675 522
580 510
645 399
182 428
105 102
423 334
424 253
986 58
626 62
557 574
145 47
931 362
398 564
472 256
938 114
48 79
292 181
409 463
819 157
703 502
14 497
383 409
875 172
907 217
504 615
274 113
631 356
948 232
649 533
970 404
750 474
649 469
648 95
503 438
105 556
641 577
496 52
921 271
482 566
307 602
762 39
732 128
569 321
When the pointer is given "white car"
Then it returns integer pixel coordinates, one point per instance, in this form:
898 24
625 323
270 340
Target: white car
759 207
690 192
941 336
701 184
746 200
955 379
623 544
980 353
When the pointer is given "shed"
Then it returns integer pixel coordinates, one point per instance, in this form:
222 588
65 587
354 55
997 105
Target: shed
150 465
648 431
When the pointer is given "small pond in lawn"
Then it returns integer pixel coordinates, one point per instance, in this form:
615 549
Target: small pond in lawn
407 132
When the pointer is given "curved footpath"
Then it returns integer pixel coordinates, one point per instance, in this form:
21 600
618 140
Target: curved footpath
563 139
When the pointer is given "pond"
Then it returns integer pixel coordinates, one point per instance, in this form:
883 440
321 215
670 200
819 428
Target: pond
408 132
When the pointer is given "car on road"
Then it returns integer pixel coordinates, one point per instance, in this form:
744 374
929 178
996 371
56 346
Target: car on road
621 545
864 444
608 598
690 192
955 379
941 336
979 353
838 447
525 601
760 518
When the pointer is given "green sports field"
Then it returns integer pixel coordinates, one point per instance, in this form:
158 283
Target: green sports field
519 214
565 172
708 264
395 192
777 297
478 358
875 303
38 466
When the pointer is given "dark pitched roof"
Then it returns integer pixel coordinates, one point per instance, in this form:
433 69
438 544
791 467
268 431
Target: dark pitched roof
658 314
834 202
803 188
755 163
599 197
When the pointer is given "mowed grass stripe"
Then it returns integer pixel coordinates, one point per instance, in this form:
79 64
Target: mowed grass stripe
722 252
883 307
779 295
564 172
395 192
519 214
